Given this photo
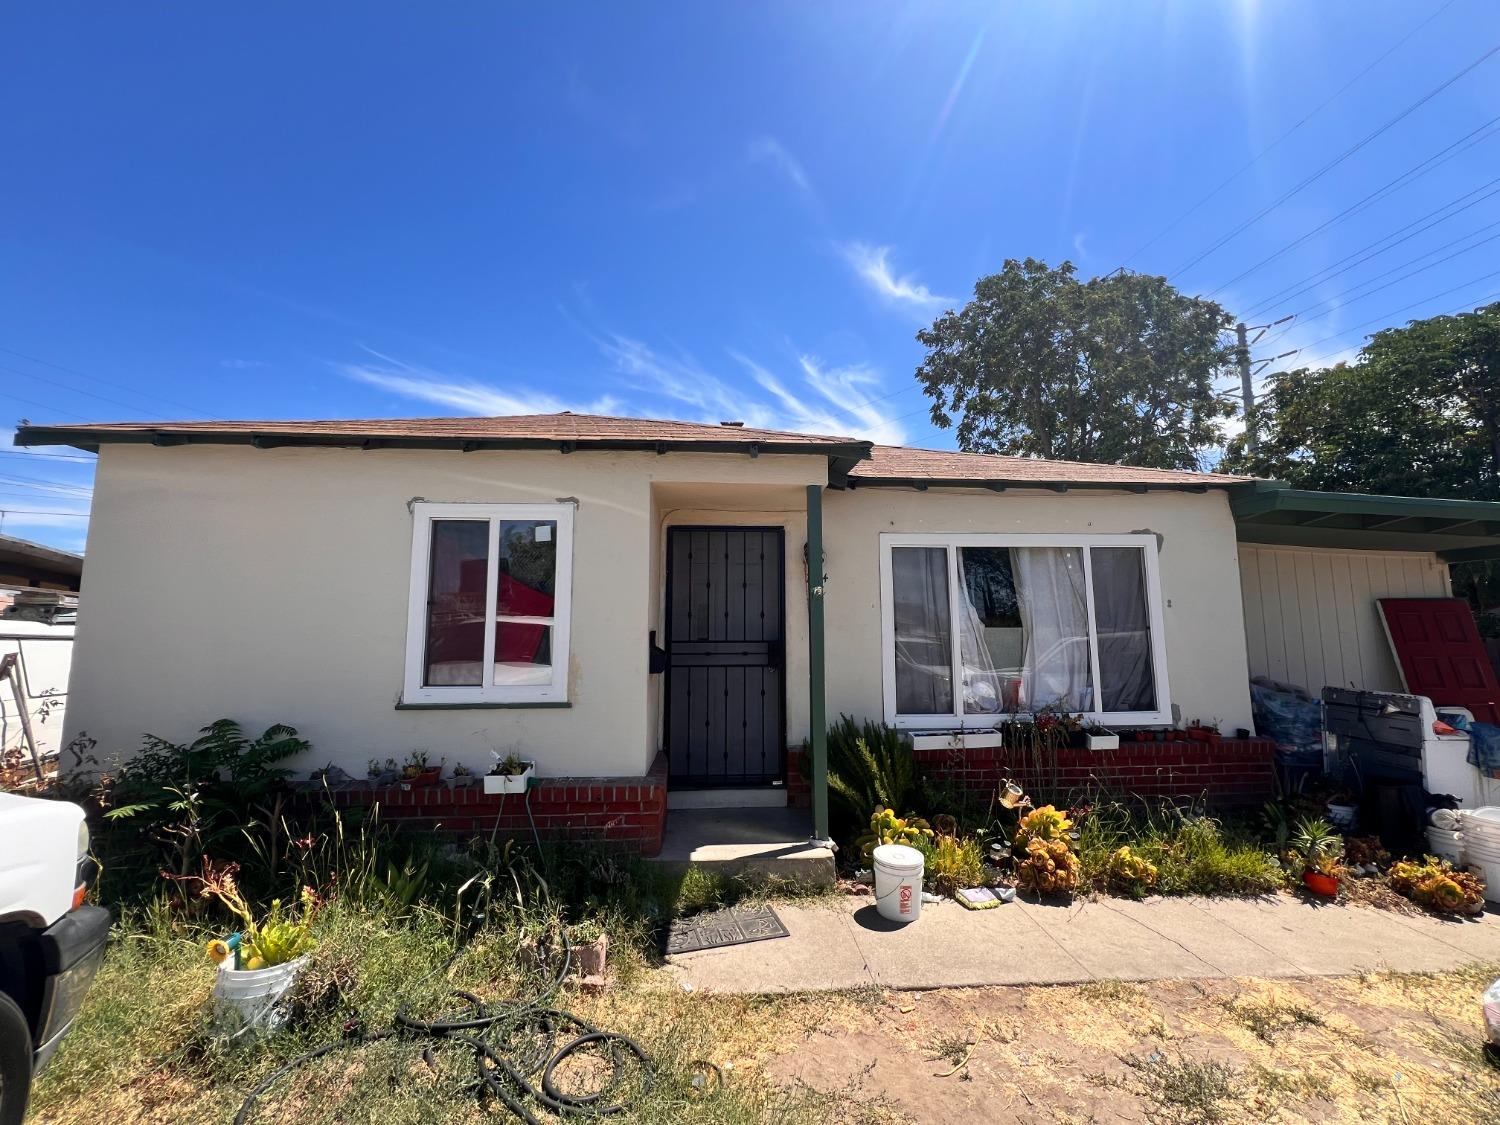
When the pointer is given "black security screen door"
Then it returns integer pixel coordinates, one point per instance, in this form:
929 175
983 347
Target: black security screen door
725 656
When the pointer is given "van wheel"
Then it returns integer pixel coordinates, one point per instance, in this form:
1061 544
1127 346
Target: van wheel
15 1062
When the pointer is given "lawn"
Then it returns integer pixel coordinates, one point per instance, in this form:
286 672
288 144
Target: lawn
1382 1047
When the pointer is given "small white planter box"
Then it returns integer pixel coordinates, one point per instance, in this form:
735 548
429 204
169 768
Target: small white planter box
509 783
1104 741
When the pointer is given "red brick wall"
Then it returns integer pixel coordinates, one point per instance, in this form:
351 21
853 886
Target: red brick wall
1230 773
628 811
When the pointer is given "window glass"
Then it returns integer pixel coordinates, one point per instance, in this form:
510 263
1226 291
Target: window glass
993 638
457 571
1053 603
923 632
528 568
1123 622
523 653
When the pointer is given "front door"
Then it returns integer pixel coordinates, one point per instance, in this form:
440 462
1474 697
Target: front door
725 624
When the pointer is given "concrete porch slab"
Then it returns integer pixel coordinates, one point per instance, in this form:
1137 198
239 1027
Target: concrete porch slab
772 842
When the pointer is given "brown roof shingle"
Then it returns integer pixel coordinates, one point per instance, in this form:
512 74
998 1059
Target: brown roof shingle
863 461
901 462
583 428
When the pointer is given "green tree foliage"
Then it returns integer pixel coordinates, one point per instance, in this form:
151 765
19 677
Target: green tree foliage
1116 369
1417 415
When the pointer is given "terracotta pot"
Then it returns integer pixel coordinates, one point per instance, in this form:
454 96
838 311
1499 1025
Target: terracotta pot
1320 884
588 960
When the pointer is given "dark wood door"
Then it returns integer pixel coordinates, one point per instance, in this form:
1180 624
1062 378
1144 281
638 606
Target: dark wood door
725 656
1441 655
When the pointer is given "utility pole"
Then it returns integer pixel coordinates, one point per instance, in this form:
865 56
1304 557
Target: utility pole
1248 371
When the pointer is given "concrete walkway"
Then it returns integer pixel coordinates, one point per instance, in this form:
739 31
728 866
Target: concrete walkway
847 945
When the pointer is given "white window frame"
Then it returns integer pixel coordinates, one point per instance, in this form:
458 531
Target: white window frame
956 719
553 692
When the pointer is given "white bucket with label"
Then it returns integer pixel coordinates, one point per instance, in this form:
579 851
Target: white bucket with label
248 1001
898 882
1446 845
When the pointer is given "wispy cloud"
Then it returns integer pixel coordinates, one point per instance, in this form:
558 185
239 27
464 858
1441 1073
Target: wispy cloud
243 364
462 394
872 264
817 400
767 149
812 397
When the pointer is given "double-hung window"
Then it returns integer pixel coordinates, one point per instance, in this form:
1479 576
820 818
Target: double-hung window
980 627
490 591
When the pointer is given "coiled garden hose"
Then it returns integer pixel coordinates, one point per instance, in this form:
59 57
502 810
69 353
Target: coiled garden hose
518 1046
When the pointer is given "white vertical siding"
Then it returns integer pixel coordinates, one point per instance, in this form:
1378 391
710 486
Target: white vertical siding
1310 614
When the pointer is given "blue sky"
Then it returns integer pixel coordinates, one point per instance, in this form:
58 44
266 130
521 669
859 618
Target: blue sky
690 210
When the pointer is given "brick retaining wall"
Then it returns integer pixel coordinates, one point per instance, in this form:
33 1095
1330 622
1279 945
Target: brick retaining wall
1234 772
627 811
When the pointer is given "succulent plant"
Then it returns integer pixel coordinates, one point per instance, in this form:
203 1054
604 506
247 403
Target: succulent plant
1048 867
888 828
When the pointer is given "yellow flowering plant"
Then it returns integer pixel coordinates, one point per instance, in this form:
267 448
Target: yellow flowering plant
282 937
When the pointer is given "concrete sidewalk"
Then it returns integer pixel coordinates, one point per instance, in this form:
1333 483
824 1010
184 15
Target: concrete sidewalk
847 945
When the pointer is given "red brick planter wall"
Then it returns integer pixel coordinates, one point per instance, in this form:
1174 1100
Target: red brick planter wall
1235 772
630 812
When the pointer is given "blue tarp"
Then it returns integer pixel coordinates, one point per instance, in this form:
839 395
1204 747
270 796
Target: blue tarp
1484 741
1291 718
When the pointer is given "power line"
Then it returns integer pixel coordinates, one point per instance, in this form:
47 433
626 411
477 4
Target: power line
38 482
34 512
42 406
1329 272
45 456
1336 161
1411 175
1379 288
76 391
1395 312
1254 160
97 379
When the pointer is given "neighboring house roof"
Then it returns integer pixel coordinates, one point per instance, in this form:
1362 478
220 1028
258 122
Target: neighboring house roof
903 465
21 558
859 461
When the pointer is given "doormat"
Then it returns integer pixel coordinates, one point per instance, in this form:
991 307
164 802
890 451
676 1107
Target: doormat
715 929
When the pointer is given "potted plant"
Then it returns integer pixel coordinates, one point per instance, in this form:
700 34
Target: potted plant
383 773
1318 849
1099 737
1343 809
589 946
417 773
510 774
259 964
462 777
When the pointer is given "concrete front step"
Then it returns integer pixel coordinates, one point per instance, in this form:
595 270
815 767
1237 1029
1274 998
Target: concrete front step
768 842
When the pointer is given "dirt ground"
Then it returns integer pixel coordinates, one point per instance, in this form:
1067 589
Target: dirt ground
1398 1048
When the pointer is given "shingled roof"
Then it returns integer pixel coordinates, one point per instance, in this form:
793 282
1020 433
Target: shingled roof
901 464
863 463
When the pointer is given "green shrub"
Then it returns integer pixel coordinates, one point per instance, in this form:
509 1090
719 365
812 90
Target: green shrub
951 863
1192 854
868 765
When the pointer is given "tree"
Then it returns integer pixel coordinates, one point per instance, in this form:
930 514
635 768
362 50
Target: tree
1417 415
1116 369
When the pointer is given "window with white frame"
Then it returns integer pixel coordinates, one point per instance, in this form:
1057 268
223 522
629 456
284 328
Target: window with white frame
980 627
491 590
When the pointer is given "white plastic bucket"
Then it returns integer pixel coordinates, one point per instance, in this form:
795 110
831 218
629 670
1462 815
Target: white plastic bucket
1446 845
246 1000
1491 870
898 882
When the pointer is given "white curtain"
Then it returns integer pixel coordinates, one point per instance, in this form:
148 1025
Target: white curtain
981 679
1054 610
924 658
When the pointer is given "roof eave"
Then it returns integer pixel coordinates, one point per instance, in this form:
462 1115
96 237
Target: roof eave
1002 484
90 441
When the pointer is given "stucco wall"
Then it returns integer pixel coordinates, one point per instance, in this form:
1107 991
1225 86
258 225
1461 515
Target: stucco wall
1205 631
271 585
1310 616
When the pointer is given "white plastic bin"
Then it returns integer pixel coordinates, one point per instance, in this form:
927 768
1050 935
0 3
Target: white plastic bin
898 882
1446 845
246 1001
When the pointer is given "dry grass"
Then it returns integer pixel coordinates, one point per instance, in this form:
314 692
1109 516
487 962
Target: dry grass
1382 1047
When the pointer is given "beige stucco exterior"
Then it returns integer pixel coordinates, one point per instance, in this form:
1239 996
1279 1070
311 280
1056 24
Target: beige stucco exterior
272 585
1205 629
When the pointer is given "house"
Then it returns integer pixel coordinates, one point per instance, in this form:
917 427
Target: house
37 604
656 611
